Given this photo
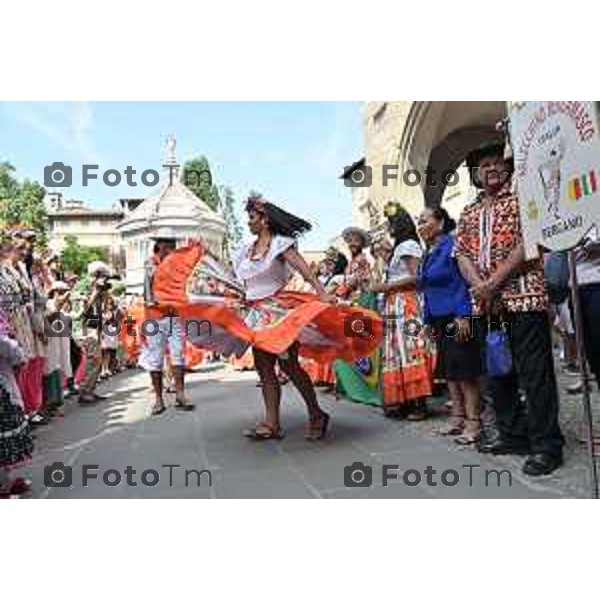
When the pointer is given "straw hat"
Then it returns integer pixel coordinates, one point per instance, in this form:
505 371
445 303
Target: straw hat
364 235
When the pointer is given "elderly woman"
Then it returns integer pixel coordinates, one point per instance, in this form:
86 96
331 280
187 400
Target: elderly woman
447 308
357 275
58 351
17 289
16 442
408 353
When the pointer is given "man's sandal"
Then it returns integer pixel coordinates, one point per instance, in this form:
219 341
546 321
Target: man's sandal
158 409
264 431
184 405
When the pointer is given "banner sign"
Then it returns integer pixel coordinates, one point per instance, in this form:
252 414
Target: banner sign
556 148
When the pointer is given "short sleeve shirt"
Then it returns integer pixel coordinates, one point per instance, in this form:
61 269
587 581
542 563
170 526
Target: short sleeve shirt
397 268
487 236
266 276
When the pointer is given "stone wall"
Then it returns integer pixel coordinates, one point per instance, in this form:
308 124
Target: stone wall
414 135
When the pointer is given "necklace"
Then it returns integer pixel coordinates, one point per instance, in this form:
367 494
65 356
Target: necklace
256 257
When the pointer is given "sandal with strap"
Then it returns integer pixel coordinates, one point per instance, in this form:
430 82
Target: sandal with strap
454 427
158 409
264 431
467 439
317 428
184 405
418 415
470 435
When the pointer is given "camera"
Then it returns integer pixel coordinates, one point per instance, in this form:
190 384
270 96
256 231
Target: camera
58 325
104 282
58 475
358 325
358 475
358 177
58 175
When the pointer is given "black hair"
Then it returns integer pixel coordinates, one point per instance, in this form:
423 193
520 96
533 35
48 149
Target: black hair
28 262
441 214
341 262
403 227
171 244
279 221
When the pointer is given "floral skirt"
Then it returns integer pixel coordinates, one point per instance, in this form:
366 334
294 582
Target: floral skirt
271 324
408 357
16 443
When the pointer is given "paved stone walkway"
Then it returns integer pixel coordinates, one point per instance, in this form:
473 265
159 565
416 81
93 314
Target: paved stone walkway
119 433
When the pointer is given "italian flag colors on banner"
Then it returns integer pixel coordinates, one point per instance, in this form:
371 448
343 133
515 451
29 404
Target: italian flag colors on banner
585 185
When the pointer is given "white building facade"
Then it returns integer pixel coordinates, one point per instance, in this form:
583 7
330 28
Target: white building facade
173 209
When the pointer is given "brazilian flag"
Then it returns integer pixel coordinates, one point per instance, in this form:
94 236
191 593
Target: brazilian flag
359 380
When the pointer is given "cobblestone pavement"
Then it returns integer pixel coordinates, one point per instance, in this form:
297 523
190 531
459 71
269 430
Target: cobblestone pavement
119 433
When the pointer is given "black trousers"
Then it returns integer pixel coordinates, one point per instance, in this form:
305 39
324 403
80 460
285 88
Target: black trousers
589 297
531 424
75 355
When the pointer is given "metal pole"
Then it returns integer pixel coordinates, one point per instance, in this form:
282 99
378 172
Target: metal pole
585 376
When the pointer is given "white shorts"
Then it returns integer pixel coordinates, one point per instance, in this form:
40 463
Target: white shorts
169 335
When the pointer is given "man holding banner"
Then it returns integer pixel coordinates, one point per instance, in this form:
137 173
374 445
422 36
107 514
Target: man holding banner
505 288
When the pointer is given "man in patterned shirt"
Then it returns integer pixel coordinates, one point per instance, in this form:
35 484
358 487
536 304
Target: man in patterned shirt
491 257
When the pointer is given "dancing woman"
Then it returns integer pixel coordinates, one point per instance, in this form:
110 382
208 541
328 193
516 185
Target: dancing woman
264 267
279 325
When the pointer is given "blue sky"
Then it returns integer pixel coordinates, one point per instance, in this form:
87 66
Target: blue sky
292 152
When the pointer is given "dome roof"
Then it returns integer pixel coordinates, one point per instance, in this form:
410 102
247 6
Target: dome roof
173 205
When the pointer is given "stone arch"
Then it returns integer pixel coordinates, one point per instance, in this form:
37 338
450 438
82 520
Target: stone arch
440 134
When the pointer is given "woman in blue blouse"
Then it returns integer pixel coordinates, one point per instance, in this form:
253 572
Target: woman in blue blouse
447 309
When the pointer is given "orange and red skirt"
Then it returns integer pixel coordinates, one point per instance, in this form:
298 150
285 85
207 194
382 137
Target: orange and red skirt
408 351
230 326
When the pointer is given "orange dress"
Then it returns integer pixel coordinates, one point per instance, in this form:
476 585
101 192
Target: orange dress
229 324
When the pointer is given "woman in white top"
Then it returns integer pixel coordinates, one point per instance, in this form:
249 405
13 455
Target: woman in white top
265 266
257 310
408 352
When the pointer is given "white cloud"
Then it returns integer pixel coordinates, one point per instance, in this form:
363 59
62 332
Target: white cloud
67 124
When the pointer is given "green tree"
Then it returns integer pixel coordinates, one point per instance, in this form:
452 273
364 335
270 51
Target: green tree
197 177
22 203
76 257
233 234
